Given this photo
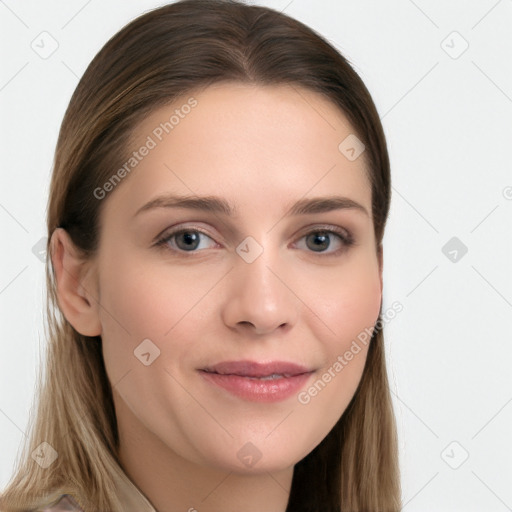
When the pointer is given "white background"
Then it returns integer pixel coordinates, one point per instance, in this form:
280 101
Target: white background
448 120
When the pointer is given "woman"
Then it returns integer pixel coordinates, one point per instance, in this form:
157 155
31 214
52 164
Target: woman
215 222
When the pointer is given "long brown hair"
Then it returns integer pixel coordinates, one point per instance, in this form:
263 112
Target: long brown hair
166 53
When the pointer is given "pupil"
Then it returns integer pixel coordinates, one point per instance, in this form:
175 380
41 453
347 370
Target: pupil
190 239
323 240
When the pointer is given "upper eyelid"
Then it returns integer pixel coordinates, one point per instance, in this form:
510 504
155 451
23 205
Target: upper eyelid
167 233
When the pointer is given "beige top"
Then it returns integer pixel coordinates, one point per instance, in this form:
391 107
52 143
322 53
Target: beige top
132 498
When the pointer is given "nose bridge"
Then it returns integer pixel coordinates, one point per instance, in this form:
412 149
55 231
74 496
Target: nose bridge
254 270
257 295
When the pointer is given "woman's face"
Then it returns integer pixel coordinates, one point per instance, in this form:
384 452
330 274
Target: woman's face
261 284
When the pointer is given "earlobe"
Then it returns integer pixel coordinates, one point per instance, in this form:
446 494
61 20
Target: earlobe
76 286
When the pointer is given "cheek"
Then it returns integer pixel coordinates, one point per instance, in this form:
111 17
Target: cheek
349 306
140 301
348 301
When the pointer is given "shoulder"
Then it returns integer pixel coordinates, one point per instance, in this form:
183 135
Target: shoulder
65 503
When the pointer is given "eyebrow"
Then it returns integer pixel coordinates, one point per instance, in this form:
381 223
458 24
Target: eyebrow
216 204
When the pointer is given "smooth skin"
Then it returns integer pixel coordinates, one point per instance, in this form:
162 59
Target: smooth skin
261 148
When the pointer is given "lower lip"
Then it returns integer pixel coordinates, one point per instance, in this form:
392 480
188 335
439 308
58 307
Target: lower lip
257 390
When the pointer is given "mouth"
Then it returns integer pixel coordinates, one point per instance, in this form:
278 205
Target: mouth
258 382
255 370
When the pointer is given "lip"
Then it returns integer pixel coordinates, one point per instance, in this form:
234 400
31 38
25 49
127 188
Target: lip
246 379
255 369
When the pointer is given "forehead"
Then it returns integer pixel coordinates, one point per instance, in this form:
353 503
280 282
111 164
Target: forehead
251 143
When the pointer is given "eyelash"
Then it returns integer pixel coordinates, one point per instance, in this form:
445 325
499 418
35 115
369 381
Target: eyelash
345 237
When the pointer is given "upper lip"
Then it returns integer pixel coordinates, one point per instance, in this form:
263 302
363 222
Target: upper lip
255 369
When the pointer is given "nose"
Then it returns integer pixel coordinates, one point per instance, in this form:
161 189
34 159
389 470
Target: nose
259 298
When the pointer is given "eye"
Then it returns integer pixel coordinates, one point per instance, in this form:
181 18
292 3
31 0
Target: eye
184 239
320 240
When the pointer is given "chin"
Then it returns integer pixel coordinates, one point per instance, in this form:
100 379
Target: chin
249 460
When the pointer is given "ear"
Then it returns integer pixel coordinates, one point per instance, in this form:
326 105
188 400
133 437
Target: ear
77 289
